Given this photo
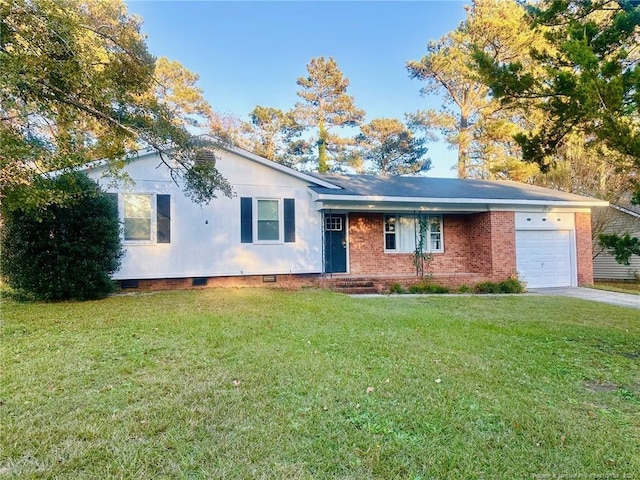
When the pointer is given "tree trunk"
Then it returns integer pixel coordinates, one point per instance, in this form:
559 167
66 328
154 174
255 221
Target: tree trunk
323 164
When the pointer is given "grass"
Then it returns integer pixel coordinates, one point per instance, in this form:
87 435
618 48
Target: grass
623 287
305 385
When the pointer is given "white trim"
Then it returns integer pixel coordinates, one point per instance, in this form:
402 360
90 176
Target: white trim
153 214
279 167
624 210
398 234
322 197
238 151
255 220
573 256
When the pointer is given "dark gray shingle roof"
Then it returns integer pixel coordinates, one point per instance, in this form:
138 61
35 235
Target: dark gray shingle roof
440 188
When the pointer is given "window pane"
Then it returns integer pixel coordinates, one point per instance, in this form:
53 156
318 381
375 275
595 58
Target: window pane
390 223
137 229
137 206
268 210
435 226
137 217
268 230
390 241
268 221
407 230
333 224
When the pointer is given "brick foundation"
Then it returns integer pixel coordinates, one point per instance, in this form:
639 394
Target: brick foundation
284 281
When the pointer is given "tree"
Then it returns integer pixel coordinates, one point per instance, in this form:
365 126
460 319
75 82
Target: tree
66 250
326 105
622 247
273 134
587 83
470 119
229 129
392 148
78 84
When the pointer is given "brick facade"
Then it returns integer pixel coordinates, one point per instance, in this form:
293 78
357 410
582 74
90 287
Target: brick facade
477 247
584 252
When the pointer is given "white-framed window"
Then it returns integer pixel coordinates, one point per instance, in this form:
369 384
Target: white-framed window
333 224
137 217
402 231
268 220
145 217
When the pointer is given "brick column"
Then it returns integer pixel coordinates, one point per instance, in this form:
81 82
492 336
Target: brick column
584 252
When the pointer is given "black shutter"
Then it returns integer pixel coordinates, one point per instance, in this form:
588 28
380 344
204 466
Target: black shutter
163 217
114 199
246 220
289 220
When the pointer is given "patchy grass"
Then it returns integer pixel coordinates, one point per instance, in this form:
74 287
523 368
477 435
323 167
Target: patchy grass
623 287
273 384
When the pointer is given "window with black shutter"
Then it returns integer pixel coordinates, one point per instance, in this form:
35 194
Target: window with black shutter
246 220
163 218
289 220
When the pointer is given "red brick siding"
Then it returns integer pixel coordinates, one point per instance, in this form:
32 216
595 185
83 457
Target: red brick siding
481 243
503 244
584 253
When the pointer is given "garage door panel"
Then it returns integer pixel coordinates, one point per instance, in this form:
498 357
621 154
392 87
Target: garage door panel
544 257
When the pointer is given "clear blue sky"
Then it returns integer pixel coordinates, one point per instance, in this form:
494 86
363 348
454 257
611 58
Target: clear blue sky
251 53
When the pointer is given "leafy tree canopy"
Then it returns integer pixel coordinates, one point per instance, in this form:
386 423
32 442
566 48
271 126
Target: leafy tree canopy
325 105
392 148
274 134
77 83
470 119
588 84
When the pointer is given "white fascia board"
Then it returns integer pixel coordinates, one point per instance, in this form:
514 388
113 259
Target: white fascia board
400 207
378 199
277 166
624 210
238 151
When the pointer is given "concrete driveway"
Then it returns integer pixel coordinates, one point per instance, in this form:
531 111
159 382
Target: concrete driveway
614 298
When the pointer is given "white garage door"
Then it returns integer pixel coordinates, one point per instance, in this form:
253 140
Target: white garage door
543 257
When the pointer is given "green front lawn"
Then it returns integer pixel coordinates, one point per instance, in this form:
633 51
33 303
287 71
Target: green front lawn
274 384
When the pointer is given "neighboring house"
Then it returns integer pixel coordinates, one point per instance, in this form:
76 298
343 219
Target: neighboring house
617 220
294 228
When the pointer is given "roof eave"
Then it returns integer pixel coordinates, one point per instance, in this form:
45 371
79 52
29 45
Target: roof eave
377 199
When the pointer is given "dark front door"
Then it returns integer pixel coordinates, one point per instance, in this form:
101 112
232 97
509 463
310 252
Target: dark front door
335 243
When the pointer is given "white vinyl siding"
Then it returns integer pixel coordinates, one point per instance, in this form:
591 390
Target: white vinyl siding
604 264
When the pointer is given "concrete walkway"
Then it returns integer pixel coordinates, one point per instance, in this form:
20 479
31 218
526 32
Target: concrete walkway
614 298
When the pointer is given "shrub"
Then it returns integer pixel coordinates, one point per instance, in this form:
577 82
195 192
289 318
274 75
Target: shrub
428 288
397 288
464 289
511 285
64 250
487 287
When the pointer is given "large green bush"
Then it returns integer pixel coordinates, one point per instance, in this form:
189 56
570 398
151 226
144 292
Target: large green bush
66 250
